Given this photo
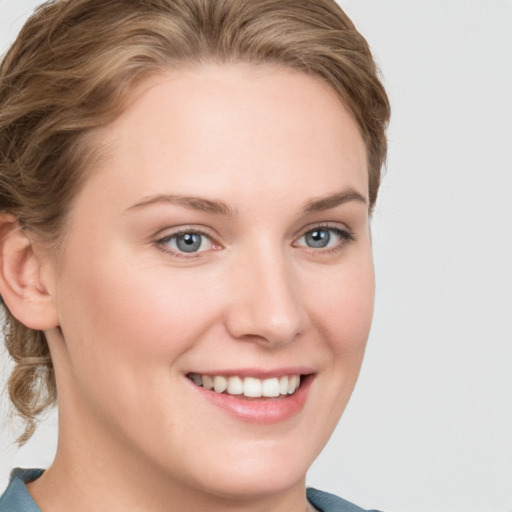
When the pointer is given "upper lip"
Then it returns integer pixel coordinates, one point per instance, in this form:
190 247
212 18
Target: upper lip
258 373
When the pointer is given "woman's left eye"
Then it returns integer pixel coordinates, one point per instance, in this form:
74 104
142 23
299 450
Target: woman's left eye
324 237
187 242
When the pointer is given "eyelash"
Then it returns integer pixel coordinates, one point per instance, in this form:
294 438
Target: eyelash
345 236
162 243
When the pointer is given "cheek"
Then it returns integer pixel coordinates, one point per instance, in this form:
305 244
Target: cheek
126 330
147 313
344 306
130 331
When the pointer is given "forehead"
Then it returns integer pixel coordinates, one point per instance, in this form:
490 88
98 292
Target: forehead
234 125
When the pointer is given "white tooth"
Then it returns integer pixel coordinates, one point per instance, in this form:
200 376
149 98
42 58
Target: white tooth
283 385
235 386
270 387
252 387
293 384
207 382
220 384
196 378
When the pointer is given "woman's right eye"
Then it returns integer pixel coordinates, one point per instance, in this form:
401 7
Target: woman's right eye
186 242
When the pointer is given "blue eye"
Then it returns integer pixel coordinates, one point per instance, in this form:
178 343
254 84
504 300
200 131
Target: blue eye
324 237
187 242
318 238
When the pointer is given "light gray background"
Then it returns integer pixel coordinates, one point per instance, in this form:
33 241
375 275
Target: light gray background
429 428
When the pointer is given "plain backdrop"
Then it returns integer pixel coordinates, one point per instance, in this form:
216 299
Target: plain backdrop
429 427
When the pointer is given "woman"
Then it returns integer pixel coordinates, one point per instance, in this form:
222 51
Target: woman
186 188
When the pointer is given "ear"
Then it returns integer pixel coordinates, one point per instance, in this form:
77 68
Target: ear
21 284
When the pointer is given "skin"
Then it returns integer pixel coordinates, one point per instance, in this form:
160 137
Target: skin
128 316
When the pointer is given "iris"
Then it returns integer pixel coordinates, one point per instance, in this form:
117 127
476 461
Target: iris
189 242
317 238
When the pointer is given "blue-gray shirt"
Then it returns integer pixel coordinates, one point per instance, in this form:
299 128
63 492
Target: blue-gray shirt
16 498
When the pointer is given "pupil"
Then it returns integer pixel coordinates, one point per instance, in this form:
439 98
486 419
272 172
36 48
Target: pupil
318 238
189 242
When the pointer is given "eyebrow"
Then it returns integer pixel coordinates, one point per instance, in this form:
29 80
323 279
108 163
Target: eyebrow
337 199
219 207
215 206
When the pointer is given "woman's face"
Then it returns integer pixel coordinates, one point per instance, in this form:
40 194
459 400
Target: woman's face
226 235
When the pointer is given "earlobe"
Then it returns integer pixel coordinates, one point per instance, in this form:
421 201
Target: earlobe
21 284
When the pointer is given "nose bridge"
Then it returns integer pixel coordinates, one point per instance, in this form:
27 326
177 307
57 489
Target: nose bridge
267 304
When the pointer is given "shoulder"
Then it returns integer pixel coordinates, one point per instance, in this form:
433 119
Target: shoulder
326 502
16 498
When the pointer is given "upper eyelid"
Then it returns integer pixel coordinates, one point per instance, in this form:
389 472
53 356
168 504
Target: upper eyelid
170 232
335 226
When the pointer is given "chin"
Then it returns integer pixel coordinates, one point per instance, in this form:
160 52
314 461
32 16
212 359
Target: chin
271 470
256 483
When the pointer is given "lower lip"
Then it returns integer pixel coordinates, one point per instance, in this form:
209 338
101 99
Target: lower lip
262 411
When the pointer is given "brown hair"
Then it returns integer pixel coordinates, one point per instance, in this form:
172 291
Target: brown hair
71 70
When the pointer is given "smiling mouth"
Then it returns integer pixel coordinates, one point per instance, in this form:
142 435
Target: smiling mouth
250 387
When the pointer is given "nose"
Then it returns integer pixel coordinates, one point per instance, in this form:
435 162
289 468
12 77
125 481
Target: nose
266 305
